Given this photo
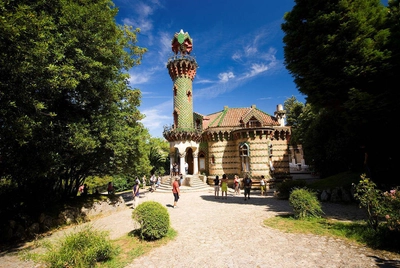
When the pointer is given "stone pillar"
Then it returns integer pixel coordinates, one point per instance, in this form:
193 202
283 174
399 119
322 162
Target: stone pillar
182 162
195 163
171 162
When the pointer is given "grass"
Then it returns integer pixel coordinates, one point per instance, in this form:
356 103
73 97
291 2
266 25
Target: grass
131 247
122 250
354 232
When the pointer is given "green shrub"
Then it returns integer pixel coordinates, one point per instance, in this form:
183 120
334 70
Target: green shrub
305 203
153 219
284 188
80 249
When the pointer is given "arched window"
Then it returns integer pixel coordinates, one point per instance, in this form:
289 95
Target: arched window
244 157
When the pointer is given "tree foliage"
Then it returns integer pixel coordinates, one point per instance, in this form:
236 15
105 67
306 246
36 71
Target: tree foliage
343 56
66 108
159 155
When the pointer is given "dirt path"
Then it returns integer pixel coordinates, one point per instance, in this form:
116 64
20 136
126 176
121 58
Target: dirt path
230 233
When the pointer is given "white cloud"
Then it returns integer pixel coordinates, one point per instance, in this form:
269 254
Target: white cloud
225 77
157 117
250 51
138 78
255 70
236 56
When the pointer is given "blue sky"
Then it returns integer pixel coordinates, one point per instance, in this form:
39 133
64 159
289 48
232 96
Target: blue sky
237 44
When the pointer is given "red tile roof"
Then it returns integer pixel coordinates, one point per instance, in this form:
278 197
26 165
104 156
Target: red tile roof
235 117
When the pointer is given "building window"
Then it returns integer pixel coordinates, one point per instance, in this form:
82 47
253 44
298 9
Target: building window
244 157
197 124
253 122
202 161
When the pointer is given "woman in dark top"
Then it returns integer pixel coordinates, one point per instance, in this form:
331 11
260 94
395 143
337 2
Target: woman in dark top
216 187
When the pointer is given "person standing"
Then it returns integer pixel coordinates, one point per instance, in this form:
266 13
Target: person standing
186 168
143 181
263 187
180 179
247 187
236 181
224 186
176 191
216 187
110 188
135 192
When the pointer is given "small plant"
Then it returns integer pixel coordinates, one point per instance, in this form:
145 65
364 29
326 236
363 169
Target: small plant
80 249
305 203
287 186
153 219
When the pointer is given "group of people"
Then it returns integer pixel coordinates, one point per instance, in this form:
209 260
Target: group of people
175 169
222 185
155 182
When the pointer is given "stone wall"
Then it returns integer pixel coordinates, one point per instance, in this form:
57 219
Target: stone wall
27 228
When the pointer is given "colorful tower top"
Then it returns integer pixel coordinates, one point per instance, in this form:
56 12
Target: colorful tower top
182 43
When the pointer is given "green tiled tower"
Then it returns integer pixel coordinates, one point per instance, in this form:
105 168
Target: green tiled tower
182 70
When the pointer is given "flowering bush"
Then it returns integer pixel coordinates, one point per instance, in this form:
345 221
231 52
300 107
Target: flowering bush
381 206
392 216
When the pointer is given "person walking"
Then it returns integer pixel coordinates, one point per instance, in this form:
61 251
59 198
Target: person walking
236 182
263 187
224 186
216 187
153 180
247 187
158 181
176 191
135 192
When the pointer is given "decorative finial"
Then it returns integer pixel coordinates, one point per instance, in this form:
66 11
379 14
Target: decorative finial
182 43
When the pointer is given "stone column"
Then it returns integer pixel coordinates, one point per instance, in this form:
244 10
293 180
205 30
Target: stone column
171 162
195 163
182 162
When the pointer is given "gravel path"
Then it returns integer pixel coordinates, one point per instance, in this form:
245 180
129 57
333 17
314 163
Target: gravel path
230 233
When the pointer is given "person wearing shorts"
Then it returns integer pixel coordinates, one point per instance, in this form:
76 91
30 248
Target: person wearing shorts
216 187
263 186
224 186
176 191
247 187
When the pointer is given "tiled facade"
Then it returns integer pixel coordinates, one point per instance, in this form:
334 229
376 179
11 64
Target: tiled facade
232 141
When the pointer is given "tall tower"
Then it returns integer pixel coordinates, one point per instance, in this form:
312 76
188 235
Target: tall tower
182 70
183 135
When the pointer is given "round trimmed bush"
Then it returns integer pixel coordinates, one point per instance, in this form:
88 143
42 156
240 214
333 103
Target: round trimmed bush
153 219
305 203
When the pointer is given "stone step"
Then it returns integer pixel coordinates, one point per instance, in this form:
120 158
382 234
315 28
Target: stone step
191 183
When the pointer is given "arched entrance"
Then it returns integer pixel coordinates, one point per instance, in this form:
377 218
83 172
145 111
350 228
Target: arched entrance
189 160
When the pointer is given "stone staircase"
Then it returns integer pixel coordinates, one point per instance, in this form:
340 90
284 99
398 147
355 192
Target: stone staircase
191 183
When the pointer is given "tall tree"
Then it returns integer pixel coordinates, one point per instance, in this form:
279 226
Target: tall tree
293 109
340 56
66 108
334 46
